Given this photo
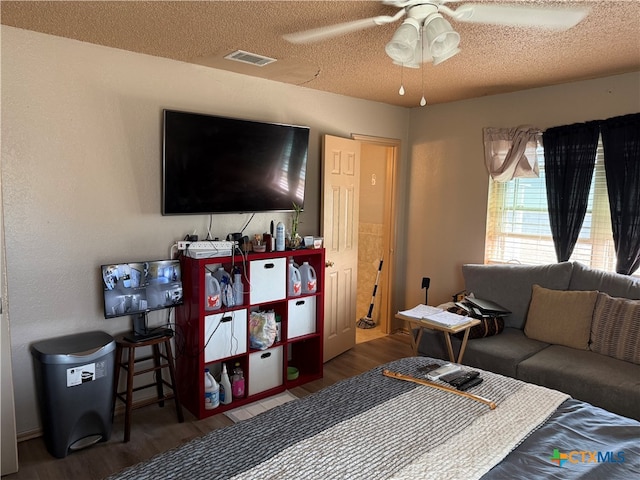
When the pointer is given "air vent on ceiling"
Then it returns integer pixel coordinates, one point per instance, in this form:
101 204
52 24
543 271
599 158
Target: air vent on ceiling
248 57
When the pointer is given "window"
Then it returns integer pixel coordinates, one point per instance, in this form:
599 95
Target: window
518 228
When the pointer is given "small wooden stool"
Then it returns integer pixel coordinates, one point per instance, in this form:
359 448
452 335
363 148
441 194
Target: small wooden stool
129 365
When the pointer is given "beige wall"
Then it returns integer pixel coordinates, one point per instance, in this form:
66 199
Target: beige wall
81 170
447 184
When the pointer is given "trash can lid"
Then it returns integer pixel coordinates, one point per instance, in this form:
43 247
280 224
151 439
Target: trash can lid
71 348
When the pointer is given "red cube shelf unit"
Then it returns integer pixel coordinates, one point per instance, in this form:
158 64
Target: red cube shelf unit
208 338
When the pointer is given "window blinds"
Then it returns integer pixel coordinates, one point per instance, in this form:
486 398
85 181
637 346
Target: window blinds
518 228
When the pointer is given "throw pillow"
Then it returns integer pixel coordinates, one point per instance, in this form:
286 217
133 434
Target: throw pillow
615 330
560 317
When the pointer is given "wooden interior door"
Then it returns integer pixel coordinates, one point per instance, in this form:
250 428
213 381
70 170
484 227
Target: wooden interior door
340 212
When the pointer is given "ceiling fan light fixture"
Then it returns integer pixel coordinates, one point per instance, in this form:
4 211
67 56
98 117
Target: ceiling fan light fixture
418 58
409 64
442 58
441 38
403 43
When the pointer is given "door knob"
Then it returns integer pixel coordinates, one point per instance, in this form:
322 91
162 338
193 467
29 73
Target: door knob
328 264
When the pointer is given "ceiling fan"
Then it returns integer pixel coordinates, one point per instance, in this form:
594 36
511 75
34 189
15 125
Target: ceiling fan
426 26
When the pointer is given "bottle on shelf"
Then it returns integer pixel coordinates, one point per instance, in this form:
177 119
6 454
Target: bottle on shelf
237 381
309 279
226 289
295 281
280 237
211 391
225 386
238 292
212 295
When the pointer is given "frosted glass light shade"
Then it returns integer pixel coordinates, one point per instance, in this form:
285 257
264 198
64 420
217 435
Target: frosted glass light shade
418 58
441 38
447 56
403 43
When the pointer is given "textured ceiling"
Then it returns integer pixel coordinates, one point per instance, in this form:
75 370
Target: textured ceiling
494 59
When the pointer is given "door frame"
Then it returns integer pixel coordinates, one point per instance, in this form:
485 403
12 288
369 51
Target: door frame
389 239
9 457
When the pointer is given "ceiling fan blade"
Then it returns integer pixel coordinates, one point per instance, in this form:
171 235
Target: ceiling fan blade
560 18
330 31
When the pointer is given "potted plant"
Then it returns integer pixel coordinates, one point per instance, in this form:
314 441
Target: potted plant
296 239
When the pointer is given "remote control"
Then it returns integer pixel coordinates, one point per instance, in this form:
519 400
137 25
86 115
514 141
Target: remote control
445 369
471 383
451 376
456 382
428 368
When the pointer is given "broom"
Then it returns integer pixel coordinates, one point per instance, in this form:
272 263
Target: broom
367 322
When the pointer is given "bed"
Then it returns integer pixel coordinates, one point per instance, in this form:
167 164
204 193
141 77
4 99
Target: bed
373 426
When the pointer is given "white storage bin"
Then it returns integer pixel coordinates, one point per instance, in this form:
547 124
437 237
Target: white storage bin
268 280
265 370
229 339
301 317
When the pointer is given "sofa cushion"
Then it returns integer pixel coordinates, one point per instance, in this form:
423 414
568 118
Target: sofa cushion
501 353
615 330
603 381
560 317
614 284
510 285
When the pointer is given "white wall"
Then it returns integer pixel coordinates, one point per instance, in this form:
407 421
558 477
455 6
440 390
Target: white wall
81 170
448 183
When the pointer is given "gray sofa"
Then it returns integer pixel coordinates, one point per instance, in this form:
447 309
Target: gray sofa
576 331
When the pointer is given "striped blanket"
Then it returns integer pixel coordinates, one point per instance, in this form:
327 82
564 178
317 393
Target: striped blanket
367 427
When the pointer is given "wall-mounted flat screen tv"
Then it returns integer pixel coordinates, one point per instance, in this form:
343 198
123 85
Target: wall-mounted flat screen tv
215 164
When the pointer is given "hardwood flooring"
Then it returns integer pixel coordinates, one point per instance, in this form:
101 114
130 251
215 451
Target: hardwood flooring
155 430
368 334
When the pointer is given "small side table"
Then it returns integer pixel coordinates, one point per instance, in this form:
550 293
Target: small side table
447 331
160 361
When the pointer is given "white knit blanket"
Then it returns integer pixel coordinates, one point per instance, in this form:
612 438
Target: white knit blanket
367 427
410 434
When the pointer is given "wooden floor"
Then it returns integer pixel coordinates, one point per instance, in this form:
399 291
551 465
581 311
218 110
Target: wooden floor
155 430
368 334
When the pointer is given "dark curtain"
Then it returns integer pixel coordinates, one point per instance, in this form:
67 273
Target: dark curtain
569 159
621 142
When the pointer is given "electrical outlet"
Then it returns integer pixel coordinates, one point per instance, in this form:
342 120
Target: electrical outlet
183 244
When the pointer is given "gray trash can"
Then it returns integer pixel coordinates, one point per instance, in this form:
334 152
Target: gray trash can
74 378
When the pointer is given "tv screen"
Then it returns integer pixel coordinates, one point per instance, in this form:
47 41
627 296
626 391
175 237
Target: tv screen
216 164
137 288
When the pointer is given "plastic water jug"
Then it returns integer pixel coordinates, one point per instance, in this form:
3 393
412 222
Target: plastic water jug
295 281
308 277
212 295
211 391
226 287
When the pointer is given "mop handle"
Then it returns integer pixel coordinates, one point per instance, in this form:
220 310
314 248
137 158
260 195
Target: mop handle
375 289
